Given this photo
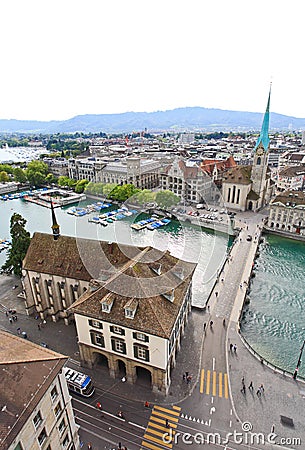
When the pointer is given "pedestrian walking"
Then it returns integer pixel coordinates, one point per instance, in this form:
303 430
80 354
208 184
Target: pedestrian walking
235 348
204 326
10 319
120 445
231 347
189 379
39 326
183 377
209 308
216 294
19 330
243 380
250 386
262 388
15 318
243 389
6 313
258 392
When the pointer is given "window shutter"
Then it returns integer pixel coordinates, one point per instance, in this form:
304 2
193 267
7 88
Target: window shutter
134 335
135 350
90 323
124 348
146 338
123 332
92 338
111 329
113 344
146 355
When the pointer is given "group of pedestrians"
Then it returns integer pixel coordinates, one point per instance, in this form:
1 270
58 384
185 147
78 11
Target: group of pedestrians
11 315
259 391
233 348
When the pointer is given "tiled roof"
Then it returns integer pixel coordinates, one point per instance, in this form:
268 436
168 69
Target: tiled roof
292 171
155 314
27 371
238 175
78 258
294 198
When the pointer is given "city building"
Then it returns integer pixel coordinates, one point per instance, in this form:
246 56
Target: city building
10 186
134 322
250 187
36 411
57 166
187 180
287 213
142 173
291 178
56 272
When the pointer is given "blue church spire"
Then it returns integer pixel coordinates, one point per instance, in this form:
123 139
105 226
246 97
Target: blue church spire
263 139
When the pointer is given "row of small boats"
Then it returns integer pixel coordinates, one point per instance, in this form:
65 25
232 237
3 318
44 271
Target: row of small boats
153 223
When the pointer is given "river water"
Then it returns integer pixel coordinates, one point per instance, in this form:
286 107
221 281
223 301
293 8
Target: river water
274 321
186 242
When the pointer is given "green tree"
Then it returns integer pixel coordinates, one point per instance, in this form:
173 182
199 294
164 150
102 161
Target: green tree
63 181
19 175
4 178
50 178
20 243
122 193
167 199
80 186
36 173
145 196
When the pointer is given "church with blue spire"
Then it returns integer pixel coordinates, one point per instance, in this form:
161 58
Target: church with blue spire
250 187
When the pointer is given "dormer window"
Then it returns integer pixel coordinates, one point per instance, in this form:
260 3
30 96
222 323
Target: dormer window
156 268
179 273
107 303
169 295
131 308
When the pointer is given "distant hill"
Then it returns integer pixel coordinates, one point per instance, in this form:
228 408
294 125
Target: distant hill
180 119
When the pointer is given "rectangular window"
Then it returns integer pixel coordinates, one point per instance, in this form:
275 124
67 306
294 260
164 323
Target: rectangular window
118 346
57 409
66 441
97 339
37 420
42 437
95 324
54 393
140 337
141 353
117 330
62 426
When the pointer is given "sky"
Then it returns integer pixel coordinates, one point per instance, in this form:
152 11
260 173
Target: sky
62 58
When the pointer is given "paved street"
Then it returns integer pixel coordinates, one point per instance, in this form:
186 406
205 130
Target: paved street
213 401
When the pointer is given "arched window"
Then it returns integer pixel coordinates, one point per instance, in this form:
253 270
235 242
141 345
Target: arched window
259 160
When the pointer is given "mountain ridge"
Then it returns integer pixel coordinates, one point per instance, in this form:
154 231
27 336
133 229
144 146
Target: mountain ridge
179 119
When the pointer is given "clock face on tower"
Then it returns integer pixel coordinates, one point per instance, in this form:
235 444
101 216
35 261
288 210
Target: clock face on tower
260 152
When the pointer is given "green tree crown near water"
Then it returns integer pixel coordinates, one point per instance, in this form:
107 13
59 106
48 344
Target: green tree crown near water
20 243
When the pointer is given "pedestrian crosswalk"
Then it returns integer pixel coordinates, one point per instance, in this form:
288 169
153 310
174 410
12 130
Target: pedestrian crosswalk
213 383
160 431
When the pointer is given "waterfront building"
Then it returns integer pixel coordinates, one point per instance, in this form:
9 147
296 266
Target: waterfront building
36 410
292 158
142 173
10 186
287 213
250 187
57 166
187 180
134 322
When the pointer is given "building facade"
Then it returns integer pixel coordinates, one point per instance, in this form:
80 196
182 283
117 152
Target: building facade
134 322
36 406
287 213
188 181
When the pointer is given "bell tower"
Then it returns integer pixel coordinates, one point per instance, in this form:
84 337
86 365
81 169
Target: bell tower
260 160
55 226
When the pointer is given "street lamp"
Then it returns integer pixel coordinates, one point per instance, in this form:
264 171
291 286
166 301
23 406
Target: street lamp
299 362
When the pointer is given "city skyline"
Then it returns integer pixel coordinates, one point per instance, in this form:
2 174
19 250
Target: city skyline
61 59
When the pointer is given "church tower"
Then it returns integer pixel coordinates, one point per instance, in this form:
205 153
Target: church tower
260 161
55 226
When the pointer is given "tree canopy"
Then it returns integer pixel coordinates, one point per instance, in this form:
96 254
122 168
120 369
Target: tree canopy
20 243
36 173
167 199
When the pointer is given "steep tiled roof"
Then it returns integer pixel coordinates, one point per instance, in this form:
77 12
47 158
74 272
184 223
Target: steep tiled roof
82 259
155 314
207 165
27 371
238 175
292 171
